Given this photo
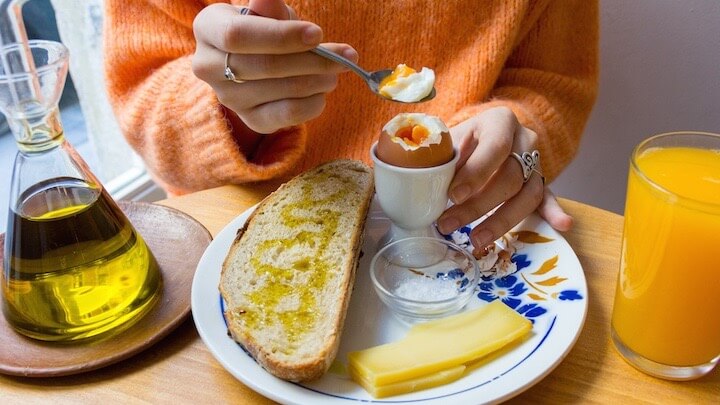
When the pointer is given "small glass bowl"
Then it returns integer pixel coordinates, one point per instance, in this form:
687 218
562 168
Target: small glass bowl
424 278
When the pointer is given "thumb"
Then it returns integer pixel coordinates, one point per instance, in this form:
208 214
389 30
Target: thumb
270 8
553 213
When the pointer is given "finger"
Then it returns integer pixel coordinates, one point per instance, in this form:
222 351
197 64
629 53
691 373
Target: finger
494 131
256 67
526 141
208 64
503 185
223 27
509 213
270 8
553 213
270 117
258 92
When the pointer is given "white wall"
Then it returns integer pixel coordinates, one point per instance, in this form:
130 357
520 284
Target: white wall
660 72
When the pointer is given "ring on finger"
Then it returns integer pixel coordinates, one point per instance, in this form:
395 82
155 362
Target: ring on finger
529 162
229 74
247 11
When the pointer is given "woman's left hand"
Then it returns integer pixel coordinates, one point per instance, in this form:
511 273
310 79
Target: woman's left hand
487 175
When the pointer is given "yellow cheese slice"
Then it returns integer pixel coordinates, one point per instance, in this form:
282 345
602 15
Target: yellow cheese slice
411 385
441 344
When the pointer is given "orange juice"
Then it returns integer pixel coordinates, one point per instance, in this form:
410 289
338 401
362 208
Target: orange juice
667 304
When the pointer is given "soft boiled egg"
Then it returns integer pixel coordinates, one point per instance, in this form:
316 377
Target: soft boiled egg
415 140
407 85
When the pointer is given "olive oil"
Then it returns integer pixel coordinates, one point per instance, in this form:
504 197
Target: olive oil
74 265
312 266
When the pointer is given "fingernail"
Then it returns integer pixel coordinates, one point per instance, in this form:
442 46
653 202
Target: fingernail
351 54
460 193
312 35
482 238
447 225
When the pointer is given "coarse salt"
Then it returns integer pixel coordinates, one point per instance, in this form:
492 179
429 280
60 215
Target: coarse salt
423 288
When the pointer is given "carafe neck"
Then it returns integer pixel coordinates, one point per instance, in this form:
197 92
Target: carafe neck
37 129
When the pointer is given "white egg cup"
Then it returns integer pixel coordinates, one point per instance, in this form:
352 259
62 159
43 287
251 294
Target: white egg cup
412 198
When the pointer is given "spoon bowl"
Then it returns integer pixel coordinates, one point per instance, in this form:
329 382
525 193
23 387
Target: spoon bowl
373 79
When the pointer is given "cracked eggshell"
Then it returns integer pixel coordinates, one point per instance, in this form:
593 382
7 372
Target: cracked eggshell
395 147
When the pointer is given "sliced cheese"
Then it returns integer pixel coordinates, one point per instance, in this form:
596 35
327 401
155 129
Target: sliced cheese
440 345
411 385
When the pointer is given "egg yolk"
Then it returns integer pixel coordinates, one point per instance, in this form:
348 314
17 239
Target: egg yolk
400 71
413 135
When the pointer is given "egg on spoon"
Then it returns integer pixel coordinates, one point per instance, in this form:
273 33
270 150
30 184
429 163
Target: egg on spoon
407 85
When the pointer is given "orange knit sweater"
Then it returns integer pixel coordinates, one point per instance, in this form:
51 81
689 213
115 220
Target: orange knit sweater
538 57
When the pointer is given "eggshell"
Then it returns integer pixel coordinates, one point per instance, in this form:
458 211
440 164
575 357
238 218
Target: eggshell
392 149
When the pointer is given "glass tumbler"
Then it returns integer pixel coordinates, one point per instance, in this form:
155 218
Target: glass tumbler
666 316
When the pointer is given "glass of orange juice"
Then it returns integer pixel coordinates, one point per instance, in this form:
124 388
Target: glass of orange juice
666 318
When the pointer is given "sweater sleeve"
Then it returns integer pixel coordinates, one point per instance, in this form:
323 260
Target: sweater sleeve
169 116
550 79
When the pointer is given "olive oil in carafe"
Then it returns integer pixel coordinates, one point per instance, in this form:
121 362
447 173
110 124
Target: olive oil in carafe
74 265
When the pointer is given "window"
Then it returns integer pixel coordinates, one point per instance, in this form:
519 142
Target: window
87 118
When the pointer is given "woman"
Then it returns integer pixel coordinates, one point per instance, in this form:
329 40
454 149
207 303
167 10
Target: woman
512 77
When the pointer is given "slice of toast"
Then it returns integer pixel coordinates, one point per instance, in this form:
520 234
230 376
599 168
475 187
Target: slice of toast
288 276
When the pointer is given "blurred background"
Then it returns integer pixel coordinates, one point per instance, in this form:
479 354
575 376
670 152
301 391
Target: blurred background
660 72
40 19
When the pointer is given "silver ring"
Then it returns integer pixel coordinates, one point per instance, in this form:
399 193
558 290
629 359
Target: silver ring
229 73
247 11
528 163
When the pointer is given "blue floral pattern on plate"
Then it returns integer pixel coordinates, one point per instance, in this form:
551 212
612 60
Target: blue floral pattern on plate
511 276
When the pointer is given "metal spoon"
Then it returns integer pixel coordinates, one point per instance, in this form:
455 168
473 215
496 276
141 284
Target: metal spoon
373 79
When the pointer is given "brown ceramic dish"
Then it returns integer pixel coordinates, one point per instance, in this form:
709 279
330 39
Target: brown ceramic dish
177 241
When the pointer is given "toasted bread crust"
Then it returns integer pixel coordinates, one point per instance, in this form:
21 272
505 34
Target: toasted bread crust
343 188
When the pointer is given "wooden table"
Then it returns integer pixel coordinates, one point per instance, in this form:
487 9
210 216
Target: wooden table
180 369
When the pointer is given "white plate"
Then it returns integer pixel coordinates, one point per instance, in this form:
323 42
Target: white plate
549 288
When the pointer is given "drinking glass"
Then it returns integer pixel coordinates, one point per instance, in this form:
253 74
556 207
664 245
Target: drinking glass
666 317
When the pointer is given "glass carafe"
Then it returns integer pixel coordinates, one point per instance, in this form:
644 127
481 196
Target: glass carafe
74 267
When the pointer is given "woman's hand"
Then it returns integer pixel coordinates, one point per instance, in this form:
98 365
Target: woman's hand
487 176
284 85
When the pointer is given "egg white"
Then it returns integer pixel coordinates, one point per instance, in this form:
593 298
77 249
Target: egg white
411 88
433 124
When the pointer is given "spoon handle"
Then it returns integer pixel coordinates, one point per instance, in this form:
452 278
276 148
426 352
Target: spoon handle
339 59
